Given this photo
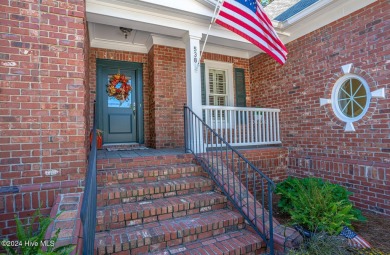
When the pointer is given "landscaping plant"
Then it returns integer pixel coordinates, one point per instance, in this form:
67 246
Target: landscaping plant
317 205
30 242
322 244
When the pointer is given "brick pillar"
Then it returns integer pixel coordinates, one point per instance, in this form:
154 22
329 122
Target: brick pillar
43 104
167 77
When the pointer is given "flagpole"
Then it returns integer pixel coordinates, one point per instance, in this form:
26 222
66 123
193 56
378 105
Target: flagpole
219 3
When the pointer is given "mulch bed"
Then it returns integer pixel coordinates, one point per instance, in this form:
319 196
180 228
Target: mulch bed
376 230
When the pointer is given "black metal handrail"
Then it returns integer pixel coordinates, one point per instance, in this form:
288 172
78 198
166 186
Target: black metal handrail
88 208
244 184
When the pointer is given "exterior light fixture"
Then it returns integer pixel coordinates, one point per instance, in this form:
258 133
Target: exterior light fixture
125 31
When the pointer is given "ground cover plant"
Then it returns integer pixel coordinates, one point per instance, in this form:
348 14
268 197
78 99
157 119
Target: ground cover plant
30 242
324 244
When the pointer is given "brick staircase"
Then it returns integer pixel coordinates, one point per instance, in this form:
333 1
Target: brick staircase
167 206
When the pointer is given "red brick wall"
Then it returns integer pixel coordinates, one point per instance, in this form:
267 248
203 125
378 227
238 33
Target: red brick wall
43 105
272 161
167 75
167 78
95 53
315 138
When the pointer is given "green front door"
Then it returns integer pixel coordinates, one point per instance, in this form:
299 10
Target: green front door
119 120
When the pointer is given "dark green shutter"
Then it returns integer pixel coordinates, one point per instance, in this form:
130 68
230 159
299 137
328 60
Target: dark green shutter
239 75
203 83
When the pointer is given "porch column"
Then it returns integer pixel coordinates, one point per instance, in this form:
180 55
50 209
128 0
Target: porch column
193 81
194 93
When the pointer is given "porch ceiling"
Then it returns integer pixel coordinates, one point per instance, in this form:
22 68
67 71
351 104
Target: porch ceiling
168 22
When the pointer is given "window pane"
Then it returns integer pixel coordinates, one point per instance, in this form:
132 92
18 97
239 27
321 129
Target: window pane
221 101
211 100
352 98
211 81
217 81
220 83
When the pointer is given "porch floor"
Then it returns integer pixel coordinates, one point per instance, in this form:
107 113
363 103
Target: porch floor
136 153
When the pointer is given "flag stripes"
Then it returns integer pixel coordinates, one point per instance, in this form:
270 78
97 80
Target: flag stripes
253 26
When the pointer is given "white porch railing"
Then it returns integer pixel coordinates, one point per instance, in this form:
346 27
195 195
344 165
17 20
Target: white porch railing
242 125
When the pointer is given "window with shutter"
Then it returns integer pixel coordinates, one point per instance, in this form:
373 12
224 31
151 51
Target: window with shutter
217 84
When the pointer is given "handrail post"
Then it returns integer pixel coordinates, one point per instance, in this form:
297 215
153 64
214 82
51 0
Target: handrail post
185 128
271 227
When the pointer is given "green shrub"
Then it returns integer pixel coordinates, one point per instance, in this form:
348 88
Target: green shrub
317 205
32 243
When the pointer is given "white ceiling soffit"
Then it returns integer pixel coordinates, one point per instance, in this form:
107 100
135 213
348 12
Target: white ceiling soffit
110 37
168 19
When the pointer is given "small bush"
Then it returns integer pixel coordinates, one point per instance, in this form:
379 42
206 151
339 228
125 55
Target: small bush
317 205
32 243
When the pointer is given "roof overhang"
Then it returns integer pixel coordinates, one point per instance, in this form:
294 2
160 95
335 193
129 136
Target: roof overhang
168 21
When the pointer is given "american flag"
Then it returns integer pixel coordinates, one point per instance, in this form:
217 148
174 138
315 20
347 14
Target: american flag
354 240
248 19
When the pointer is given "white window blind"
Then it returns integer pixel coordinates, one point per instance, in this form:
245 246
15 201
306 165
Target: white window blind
217 84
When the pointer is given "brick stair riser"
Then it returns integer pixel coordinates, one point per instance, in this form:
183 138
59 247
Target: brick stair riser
114 177
127 163
240 242
147 244
129 196
113 219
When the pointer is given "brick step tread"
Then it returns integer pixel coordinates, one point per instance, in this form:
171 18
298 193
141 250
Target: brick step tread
133 192
159 235
147 174
235 242
119 216
124 161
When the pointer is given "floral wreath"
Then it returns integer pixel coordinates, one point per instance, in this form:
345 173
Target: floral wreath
118 87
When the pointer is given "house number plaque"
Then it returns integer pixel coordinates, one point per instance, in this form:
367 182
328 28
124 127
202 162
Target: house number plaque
195 55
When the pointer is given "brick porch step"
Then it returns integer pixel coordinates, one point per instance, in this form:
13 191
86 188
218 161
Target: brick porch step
235 242
133 192
155 236
150 174
130 214
124 162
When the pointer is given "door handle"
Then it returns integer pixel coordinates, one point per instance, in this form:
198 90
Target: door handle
133 107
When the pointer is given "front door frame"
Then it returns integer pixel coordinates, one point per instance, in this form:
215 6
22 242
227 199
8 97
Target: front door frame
100 89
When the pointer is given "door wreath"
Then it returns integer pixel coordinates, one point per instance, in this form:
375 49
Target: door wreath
118 87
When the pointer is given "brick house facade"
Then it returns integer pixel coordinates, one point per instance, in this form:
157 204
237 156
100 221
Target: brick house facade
48 85
315 138
44 109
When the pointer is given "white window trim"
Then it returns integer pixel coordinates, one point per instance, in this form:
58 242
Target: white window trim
228 68
335 96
